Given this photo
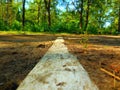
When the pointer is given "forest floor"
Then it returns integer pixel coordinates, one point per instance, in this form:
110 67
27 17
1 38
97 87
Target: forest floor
20 53
95 52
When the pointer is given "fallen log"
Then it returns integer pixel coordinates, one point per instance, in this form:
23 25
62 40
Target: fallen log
109 73
58 70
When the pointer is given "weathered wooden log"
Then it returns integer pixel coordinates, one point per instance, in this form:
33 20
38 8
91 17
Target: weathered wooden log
58 70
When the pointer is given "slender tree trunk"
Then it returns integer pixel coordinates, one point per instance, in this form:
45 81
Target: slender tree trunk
1 10
49 15
38 13
81 15
39 9
7 13
11 14
23 14
119 20
87 15
47 5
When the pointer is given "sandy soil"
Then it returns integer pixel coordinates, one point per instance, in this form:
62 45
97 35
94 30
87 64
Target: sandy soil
95 52
18 55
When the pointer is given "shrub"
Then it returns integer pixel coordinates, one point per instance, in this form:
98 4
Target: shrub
92 30
16 25
3 25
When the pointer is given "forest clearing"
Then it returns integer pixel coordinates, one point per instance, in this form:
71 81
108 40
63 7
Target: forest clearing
20 53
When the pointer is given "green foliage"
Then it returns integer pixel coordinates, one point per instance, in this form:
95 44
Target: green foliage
38 28
70 27
59 27
73 26
35 28
3 26
114 32
27 27
16 25
92 30
109 30
68 20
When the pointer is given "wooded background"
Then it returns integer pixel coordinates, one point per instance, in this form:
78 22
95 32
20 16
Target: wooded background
71 16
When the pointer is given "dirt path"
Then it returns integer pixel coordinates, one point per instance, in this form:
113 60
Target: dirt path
58 70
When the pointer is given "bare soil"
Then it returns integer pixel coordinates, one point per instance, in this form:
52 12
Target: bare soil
18 55
95 52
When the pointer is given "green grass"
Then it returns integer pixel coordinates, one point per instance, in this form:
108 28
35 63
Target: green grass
20 33
31 33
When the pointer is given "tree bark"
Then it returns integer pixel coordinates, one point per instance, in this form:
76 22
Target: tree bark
23 14
49 15
39 10
47 5
81 15
87 15
119 20
38 13
7 13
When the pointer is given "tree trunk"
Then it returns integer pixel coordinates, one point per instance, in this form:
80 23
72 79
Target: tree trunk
119 20
39 10
11 14
49 15
38 13
1 9
7 13
23 14
81 16
47 5
87 14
